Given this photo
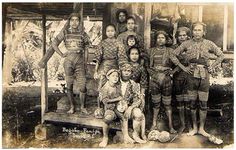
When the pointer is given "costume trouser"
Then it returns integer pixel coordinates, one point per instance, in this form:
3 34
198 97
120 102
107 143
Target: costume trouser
199 89
161 90
75 72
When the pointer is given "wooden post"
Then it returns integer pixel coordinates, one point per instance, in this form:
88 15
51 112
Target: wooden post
225 31
147 25
200 12
44 78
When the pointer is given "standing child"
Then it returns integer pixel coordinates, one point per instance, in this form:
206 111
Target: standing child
161 58
180 79
76 41
109 55
198 51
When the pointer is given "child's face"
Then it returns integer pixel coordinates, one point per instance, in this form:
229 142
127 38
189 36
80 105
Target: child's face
131 42
74 22
130 25
182 36
161 40
110 32
122 17
198 31
114 77
134 55
126 74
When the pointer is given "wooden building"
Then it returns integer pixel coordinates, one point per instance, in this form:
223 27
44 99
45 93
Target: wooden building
219 17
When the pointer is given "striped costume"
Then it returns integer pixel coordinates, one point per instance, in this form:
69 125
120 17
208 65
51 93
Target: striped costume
160 84
74 64
198 54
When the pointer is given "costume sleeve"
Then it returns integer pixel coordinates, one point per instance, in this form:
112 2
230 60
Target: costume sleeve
217 51
144 79
140 41
173 57
122 57
98 53
58 39
180 48
120 38
87 41
136 92
150 55
104 96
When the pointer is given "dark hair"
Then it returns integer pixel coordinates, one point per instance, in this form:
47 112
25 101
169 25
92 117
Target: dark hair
163 33
131 17
199 23
118 13
129 51
186 29
112 25
132 37
74 15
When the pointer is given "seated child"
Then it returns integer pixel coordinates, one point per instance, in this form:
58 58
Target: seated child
110 95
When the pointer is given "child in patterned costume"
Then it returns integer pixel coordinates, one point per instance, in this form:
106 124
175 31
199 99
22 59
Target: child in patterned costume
74 65
161 59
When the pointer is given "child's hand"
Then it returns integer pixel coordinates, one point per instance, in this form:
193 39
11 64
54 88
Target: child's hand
128 112
96 76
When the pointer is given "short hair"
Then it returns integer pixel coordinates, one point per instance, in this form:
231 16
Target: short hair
132 18
118 13
110 25
163 33
74 15
111 71
199 23
132 37
186 29
125 66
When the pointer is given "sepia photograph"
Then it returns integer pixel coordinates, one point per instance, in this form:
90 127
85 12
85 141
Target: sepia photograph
117 74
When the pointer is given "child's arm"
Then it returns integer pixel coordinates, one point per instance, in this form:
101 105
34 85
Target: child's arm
57 41
117 99
98 56
175 60
96 71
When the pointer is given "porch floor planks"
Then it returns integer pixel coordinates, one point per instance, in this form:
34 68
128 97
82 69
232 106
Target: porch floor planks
78 119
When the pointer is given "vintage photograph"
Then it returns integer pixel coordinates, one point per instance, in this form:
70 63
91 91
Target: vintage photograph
117 75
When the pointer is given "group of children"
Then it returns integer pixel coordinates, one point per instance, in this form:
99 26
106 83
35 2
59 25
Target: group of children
127 72
184 67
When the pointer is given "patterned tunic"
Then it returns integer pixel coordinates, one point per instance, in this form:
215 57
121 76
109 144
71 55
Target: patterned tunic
110 54
161 60
74 64
198 54
131 94
108 92
199 51
140 76
121 27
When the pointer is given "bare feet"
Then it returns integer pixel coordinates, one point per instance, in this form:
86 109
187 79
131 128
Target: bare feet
137 138
181 129
71 111
154 127
104 142
144 137
192 132
84 111
203 132
128 140
172 131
